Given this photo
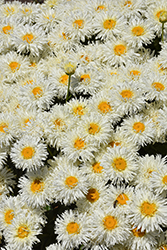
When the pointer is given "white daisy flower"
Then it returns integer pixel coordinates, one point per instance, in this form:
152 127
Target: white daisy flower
94 169
69 182
60 39
98 6
138 129
108 227
95 196
78 24
141 240
147 165
76 147
139 32
108 25
77 108
28 153
28 38
60 79
71 229
57 123
96 128
119 197
13 66
9 208
119 164
156 87
130 8
39 94
36 188
27 12
7 27
153 15
48 19
9 9
22 233
117 52
148 211
88 79
104 105
128 97
118 139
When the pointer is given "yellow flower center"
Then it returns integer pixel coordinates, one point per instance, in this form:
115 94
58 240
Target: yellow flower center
158 86
9 215
27 152
79 143
33 64
114 143
86 58
122 199
100 7
138 31
138 233
109 222
120 49
14 66
109 24
73 228
64 79
138 127
28 38
97 168
92 195
26 10
104 107
37 92
128 3
93 128
135 73
85 78
164 180
23 232
126 94
9 10
113 73
58 123
3 125
37 186
7 29
119 164
159 13
71 181
78 24
148 209
78 110
26 121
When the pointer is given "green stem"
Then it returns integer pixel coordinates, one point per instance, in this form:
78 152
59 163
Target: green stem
69 80
162 37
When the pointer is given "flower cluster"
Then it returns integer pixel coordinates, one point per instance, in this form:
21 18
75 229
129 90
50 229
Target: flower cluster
83 114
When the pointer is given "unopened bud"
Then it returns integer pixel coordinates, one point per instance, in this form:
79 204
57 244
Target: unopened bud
69 68
163 17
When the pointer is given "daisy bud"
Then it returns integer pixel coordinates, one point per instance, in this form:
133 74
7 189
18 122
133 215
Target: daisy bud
163 17
70 68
